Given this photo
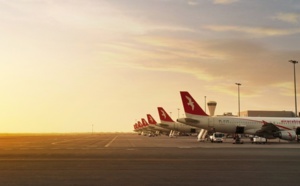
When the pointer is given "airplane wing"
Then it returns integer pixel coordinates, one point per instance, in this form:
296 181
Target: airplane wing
189 121
268 130
163 125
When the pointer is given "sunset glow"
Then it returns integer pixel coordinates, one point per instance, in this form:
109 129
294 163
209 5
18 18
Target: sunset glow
68 66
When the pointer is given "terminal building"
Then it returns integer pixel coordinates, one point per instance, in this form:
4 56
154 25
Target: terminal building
263 113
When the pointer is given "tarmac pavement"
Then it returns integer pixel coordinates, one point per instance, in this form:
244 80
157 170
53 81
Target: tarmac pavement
130 159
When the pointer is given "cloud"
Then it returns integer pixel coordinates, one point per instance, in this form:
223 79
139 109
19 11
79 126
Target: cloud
288 17
224 1
168 28
216 62
121 40
192 2
255 31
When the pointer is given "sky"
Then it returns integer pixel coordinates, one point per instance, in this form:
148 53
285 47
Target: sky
96 65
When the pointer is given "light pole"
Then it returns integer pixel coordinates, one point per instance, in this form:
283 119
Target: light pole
178 111
205 104
295 62
238 84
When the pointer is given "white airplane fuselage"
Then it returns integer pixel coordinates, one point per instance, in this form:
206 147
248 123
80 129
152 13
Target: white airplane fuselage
228 124
158 128
180 127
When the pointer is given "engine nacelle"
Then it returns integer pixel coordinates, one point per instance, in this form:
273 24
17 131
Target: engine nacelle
287 135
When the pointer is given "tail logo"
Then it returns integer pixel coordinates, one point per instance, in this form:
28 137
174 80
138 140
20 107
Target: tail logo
163 114
151 119
190 103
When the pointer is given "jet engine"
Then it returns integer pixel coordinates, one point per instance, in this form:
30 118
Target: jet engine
286 135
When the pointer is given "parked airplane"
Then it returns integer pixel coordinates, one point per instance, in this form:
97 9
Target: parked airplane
267 127
138 127
153 124
142 128
168 123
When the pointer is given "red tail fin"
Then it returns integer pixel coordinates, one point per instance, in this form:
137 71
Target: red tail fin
140 125
190 105
163 115
144 122
151 120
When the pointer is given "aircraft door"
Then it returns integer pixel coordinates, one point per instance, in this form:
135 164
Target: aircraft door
298 134
298 131
239 129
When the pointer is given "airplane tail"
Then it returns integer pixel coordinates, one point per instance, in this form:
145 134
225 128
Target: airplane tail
163 115
144 122
191 107
151 120
140 125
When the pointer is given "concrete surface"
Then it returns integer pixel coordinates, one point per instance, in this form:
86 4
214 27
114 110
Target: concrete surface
129 159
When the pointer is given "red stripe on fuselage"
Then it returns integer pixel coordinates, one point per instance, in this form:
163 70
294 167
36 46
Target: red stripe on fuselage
263 122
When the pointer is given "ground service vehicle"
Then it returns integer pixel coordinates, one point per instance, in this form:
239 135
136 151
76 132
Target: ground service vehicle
217 137
257 139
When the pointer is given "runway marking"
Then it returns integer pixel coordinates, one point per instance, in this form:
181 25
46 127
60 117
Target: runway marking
107 145
69 140
187 147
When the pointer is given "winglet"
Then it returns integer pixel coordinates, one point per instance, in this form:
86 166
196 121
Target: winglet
163 115
151 120
190 105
